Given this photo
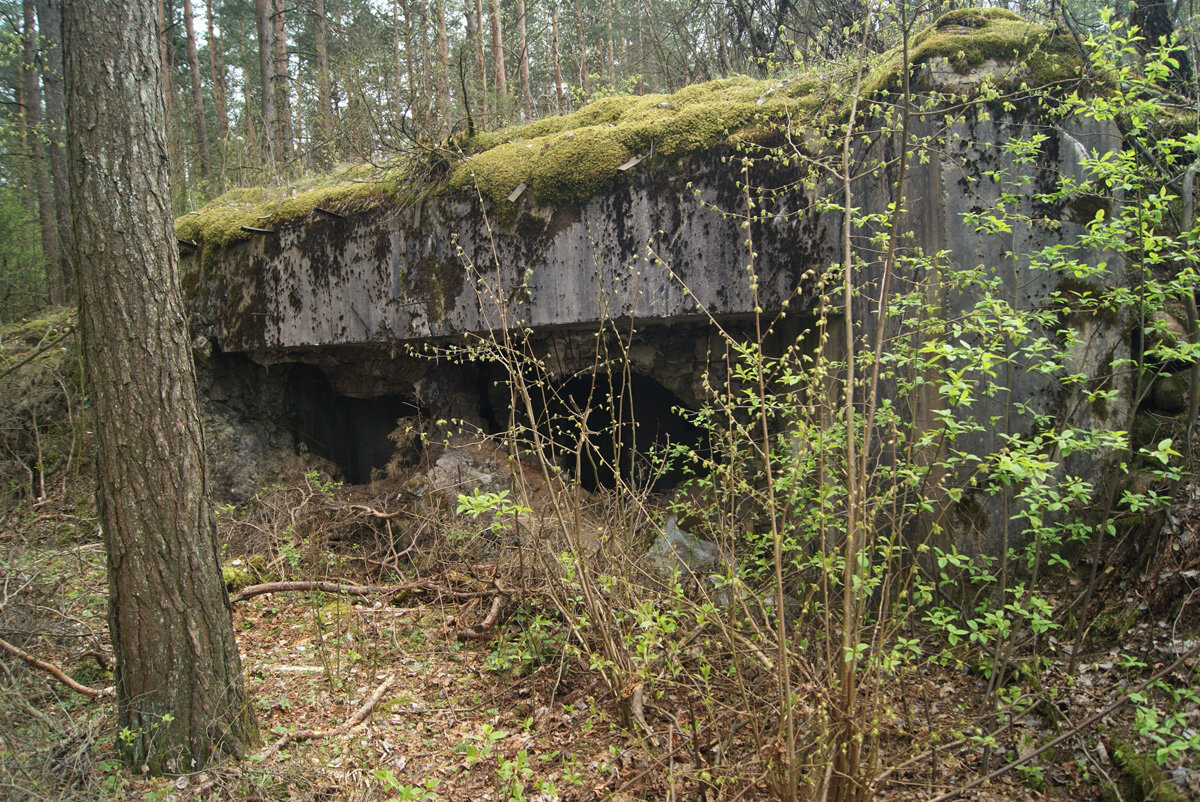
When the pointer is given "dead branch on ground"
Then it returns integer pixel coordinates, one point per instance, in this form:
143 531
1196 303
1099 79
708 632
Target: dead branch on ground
54 671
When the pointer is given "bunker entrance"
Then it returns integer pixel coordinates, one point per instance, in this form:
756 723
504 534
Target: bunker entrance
350 432
605 427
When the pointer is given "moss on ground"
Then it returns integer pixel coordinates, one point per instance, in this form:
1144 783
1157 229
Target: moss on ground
569 158
1142 779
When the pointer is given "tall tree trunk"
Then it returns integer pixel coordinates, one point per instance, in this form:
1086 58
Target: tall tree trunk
250 130
481 64
218 72
581 43
558 81
498 58
180 699
283 81
29 200
324 90
523 45
56 292
199 125
266 63
443 71
50 28
612 62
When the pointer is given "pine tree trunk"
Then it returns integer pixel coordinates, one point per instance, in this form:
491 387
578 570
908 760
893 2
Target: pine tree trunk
55 291
581 43
250 130
498 58
443 71
200 128
283 81
481 64
612 62
558 81
523 46
180 699
218 72
50 28
266 64
324 90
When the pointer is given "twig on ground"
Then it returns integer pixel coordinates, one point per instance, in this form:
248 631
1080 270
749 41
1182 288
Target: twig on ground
54 671
324 587
486 624
309 735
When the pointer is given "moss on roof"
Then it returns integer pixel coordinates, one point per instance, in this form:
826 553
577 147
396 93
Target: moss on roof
570 158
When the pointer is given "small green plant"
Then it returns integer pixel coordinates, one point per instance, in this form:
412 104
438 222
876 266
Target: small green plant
513 775
406 793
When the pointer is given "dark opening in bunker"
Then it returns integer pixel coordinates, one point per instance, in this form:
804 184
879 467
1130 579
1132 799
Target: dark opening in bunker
350 432
627 426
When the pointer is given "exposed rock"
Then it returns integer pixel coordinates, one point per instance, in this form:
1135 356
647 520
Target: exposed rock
676 551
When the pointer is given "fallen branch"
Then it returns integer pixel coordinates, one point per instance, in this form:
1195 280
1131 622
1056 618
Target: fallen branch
360 590
1071 733
324 587
54 671
310 735
374 513
486 624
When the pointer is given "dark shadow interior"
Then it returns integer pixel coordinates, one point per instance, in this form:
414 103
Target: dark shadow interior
350 432
628 424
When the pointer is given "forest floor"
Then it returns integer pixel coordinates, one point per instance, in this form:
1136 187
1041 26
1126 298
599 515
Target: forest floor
461 680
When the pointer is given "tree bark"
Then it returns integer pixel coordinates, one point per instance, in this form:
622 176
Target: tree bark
50 28
199 126
523 46
283 80
581 43
180 698
443 71
218 72
558 81
266 64
324 88
55 291
481 64
498 58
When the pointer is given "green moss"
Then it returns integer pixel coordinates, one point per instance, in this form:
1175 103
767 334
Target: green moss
970 37
567 159
1141 778
236 577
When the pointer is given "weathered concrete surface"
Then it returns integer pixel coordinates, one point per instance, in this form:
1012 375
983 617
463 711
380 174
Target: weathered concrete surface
447 267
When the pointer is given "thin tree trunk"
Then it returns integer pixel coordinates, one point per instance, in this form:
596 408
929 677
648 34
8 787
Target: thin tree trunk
266 64
558 81
498 58
218 72
523 46
443 71
180 697
612 62
250 130
55 291
29 199
324 90
481 64
283 81
50 28
199 125
581 43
